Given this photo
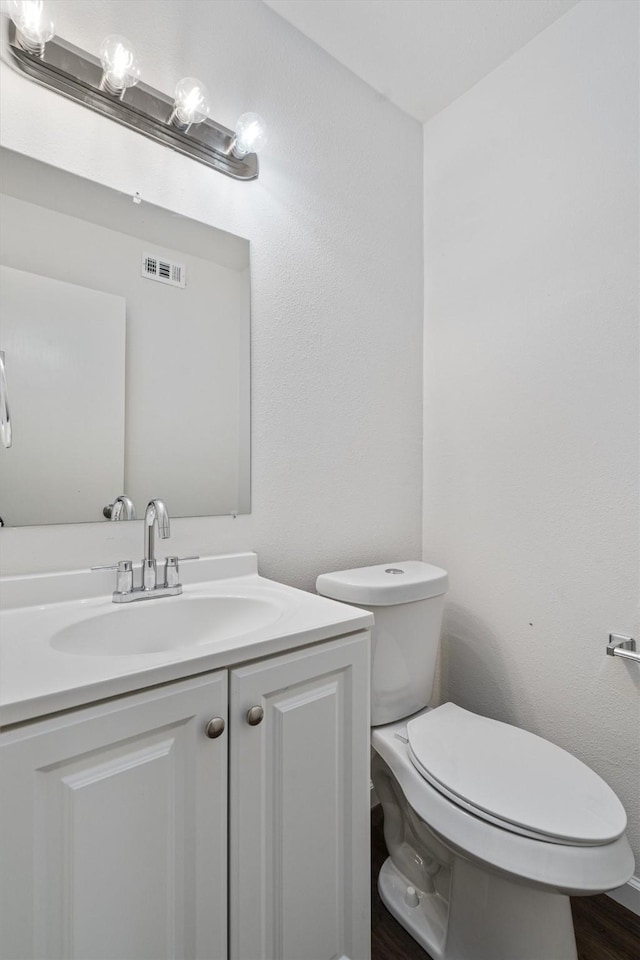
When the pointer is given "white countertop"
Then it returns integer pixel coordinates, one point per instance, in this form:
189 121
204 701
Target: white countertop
36 679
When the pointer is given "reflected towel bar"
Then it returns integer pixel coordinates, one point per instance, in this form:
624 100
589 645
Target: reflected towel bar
622 647
5 416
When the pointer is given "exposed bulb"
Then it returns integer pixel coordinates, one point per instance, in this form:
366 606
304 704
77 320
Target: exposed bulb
34 26
250 135
191 103
119 63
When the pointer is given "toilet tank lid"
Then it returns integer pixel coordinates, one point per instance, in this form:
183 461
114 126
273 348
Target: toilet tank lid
385 583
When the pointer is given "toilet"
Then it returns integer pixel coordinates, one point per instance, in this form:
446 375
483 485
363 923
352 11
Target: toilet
489 828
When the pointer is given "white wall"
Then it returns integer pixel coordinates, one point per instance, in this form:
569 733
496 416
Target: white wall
531 388
335 224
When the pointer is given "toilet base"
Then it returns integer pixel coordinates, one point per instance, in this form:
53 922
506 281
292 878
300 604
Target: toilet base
487 917
426 922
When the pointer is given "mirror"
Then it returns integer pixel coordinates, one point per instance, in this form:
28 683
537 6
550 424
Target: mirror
125 330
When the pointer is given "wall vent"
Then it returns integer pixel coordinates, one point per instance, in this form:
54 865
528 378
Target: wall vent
163 270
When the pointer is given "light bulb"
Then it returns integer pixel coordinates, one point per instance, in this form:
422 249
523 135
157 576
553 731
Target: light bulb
250 135
34 25
119 63
191 103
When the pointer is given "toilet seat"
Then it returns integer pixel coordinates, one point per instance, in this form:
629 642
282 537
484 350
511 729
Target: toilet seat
577 870
513 779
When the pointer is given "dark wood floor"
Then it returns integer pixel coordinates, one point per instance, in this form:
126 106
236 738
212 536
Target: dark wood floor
604 929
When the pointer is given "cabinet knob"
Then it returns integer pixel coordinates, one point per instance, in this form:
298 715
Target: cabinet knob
254 716
215 728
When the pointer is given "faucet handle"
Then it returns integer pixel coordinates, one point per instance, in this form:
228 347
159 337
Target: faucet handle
124 576
172 570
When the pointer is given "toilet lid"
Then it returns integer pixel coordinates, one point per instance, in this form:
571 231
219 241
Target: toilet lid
513 778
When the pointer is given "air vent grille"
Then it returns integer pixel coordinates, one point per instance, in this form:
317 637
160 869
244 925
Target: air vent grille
163 270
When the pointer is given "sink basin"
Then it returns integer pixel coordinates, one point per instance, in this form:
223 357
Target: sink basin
164 624
64 644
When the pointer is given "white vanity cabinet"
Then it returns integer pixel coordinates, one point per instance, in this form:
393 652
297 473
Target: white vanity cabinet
114 835
299 806
128 832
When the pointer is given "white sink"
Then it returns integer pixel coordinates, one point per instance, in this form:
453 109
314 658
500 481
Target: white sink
64 644
167 623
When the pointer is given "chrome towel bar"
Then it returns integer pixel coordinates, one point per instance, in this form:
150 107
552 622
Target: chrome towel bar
622 647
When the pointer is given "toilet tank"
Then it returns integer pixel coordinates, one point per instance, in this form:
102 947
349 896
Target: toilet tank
406 600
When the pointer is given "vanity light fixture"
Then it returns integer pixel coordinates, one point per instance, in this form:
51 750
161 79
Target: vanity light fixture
34 28
120 67
250 135
111 86
191 104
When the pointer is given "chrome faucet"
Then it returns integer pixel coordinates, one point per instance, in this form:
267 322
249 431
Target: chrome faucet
155 514
122 508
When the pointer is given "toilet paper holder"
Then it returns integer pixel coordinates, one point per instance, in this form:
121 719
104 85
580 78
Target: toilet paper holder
620 646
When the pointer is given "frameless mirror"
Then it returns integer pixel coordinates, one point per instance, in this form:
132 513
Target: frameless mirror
125 330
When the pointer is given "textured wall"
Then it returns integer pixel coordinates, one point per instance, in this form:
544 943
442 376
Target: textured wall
531 388
335 224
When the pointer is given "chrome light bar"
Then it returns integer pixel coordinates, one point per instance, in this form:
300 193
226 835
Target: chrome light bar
77 75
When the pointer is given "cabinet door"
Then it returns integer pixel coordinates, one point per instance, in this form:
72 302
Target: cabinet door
299 806
113 830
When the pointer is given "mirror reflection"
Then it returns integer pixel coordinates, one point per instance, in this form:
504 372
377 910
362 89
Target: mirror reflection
125 332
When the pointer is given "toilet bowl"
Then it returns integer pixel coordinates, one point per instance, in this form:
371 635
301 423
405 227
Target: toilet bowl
489 828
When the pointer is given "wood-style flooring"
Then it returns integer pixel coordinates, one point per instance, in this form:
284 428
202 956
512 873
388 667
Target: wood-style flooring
604 929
